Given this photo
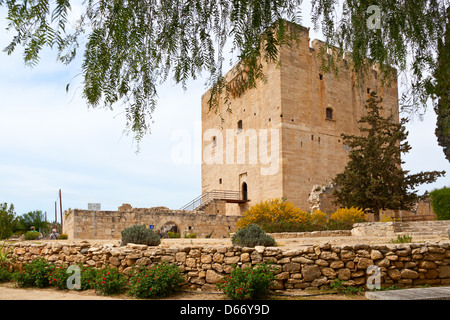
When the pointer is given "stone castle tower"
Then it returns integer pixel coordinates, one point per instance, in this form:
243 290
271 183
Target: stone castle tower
284 137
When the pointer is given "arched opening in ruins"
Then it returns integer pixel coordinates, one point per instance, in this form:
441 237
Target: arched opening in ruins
169 227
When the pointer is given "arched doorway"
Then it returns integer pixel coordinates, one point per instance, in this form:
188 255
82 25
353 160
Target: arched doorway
169 227
244 191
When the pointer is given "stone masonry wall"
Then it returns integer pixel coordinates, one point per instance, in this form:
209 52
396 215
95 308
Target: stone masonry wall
403 265
84 224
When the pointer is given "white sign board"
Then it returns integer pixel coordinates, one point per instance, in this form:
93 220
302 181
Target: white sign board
94 206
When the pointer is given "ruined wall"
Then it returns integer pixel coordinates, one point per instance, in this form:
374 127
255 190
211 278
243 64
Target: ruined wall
403 265
84 224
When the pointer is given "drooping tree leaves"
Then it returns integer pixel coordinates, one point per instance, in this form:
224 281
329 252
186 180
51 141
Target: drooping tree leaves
130 47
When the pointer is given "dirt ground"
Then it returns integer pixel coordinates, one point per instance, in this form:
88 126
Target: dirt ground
9 292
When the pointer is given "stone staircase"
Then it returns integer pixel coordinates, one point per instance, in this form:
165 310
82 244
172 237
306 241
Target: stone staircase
423 228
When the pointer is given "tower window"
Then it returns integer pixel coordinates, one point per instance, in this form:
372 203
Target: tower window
329 113
239 125
320 76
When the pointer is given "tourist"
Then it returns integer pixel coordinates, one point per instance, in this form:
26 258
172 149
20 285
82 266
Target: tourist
33 229
54 235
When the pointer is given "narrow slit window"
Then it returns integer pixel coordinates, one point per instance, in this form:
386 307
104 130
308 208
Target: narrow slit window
239 125
329 113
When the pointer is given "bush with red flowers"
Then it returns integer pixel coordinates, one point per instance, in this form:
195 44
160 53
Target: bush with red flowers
154 282
248 283
110 281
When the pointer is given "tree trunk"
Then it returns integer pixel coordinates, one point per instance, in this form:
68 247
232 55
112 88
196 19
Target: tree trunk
376 215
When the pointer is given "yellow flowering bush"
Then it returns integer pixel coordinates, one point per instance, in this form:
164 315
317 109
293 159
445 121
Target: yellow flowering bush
350 215
271 211
279 215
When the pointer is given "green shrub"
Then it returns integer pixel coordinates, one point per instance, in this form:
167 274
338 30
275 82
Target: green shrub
139 234
440 201
248 283
63 236
5 275
190 235
252 236
155 282
34 274
173 235
31 235
110 281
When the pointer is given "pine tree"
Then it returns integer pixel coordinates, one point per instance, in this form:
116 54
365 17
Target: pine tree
373 178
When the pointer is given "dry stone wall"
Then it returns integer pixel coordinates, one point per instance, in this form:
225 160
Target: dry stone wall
413 264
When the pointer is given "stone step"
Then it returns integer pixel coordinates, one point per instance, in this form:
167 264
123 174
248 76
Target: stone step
437 293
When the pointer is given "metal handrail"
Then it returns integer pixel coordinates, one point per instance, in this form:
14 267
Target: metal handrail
212 195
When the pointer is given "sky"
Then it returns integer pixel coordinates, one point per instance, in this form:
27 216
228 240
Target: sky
51 140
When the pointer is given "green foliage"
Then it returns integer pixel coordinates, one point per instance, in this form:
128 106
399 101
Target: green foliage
373 178
252 236
63 236
191 235
406 28
34 219
34 274
440 201
132 46
5 275
155 282
338 286
172 235
58 277
7 220
110 281
248 283
440 89
88 277
129 47
139 234
31 235
402 239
